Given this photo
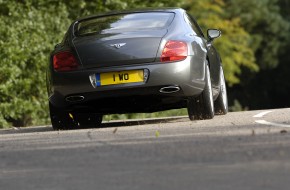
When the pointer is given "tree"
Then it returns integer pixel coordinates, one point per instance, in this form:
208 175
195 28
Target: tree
266 21
268 29
28 33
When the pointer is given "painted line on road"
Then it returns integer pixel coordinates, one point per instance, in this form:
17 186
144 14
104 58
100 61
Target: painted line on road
262 114
263 122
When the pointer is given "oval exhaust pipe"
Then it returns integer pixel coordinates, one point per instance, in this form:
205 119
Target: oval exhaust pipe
169 89
74 98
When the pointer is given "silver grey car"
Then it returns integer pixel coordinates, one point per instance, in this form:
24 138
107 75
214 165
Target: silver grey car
134 61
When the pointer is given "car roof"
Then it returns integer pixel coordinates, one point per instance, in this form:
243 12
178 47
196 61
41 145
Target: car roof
171 9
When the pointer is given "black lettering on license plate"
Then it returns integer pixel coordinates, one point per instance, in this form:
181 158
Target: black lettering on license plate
122 76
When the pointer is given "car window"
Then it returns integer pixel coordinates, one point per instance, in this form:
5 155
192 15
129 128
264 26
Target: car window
128 22
192 23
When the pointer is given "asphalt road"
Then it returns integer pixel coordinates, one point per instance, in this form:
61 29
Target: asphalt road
242 150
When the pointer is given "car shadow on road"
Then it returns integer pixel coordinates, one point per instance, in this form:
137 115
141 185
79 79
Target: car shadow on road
142 121
105 124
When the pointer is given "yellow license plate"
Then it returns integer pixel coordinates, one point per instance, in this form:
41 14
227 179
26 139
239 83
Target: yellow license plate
120 77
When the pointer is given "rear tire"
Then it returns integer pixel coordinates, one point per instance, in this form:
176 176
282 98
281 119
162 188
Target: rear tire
221 103
202 107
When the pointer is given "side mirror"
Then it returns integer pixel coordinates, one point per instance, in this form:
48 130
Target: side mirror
213 33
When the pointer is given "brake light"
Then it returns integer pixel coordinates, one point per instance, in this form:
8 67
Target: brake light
174 51
64 61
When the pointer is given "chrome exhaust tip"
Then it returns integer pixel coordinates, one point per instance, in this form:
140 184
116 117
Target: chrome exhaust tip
169 89
75 98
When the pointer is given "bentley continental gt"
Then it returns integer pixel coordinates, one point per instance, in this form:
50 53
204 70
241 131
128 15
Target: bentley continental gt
132 62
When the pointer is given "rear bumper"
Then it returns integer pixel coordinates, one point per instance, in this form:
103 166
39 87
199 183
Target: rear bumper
188 75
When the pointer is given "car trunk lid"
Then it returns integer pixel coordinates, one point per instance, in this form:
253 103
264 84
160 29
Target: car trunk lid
120 39
118 49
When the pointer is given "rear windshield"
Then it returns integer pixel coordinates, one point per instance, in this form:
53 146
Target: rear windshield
127 22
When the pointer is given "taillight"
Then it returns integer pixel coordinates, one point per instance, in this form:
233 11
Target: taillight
174 51
64 61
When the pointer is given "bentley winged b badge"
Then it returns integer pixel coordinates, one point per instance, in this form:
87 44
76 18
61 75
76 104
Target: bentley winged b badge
118 46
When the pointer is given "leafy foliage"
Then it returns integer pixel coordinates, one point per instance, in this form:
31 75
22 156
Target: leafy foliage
27 35
268 23
269 30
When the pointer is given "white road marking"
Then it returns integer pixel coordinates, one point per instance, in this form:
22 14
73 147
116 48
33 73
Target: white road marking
264 122
271 123
262 114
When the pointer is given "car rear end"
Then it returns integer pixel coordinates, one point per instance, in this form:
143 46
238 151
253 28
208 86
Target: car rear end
123 63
